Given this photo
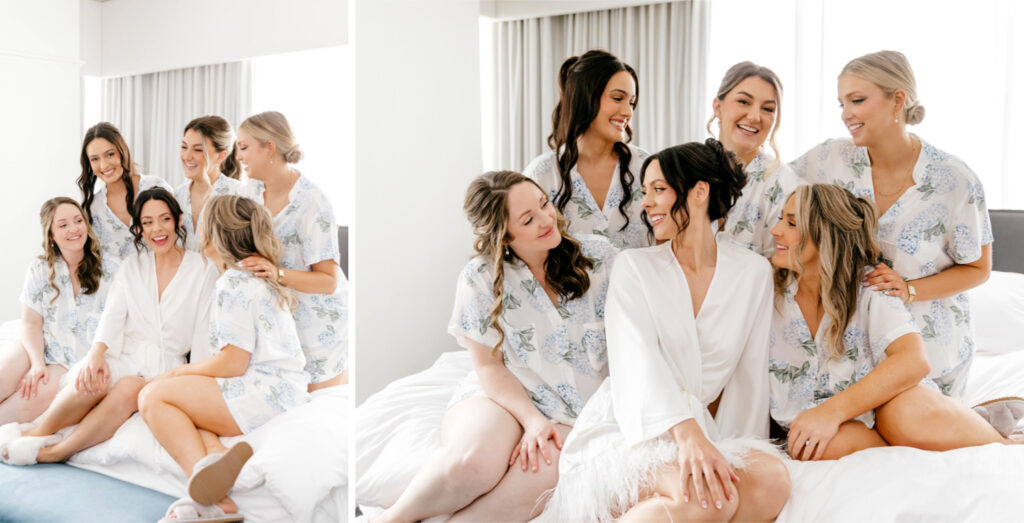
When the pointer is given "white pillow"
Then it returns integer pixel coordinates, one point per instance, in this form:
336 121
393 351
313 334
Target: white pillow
997 311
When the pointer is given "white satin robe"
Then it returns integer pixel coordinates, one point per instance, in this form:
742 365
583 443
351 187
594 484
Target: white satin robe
665 367
147 334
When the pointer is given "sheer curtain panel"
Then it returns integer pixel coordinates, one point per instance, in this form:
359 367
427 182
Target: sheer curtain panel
151 110
666 43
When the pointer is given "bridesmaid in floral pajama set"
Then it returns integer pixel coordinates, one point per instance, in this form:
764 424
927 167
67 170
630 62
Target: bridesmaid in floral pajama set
105 156
747 107
592 173
538 352
304 222
933 223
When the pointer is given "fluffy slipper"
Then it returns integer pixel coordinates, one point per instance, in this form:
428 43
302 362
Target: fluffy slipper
185 510
214 475
25 450
1003 413
13 431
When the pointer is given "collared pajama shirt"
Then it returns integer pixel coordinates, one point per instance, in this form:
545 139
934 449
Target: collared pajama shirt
223 185
557 352
759 207
309 234
802 373
247 315
939 222
582 210
69 321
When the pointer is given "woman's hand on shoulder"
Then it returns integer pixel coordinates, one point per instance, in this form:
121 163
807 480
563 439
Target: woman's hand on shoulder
29 384
884 278
537 432
703 464
812 431
259 267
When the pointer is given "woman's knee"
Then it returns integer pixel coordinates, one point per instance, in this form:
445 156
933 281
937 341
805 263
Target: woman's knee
770 489
150 395
906 419
474 469
125 391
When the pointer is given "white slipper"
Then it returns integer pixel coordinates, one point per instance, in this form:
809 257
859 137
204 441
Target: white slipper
214 475
25 450
12 431
1003 413
185 510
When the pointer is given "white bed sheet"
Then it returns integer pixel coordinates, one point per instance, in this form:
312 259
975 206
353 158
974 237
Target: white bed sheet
400 426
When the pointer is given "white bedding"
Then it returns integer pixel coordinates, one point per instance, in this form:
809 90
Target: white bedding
400 426
298 472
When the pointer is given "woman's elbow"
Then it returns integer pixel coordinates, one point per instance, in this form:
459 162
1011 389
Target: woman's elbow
922 369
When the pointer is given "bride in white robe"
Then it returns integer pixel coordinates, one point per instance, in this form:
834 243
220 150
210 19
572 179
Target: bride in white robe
687 326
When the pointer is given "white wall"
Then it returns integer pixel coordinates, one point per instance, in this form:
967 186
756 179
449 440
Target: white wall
40 108
143 36
417 115
91 36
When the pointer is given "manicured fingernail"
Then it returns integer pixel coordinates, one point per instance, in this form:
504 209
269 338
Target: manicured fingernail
718 504
704 504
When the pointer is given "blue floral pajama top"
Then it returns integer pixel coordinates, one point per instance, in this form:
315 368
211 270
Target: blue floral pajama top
558 353
246 314
939 222
584 215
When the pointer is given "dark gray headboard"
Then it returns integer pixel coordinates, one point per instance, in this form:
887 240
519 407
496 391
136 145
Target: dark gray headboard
343 248
1008 249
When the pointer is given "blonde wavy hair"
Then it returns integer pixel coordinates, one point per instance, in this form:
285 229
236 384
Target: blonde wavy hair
237 228
842 227
486 206
90 269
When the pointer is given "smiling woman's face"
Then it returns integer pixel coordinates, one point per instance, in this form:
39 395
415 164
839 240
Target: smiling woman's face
532 220
158 226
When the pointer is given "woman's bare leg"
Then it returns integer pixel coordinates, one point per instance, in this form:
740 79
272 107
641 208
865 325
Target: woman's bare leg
100 423
340 379
17 408
851 437
762 491
68 408
212 442
14 364
477 438
519 494
923 418
177 409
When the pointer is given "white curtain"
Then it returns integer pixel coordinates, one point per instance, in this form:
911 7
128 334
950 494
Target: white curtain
151 110
666 44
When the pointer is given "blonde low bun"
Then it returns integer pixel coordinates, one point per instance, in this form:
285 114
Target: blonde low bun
915 114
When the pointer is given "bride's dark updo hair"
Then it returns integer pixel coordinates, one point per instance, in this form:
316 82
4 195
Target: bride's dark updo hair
685 165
